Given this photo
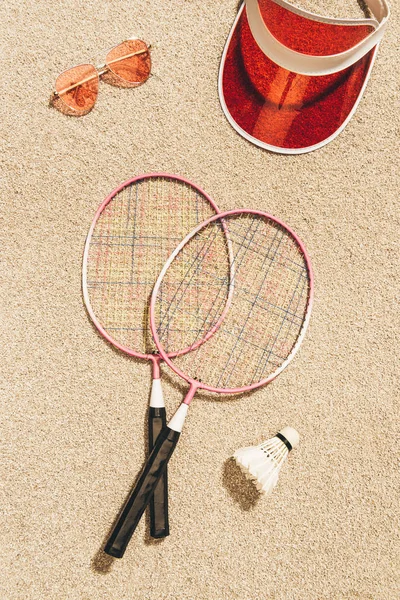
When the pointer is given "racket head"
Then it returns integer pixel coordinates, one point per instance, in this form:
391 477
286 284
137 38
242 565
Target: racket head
189 207
294 322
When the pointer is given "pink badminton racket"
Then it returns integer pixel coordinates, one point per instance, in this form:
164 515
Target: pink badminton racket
133 232
270 290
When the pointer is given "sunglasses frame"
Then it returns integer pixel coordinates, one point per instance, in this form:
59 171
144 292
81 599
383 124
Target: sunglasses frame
100 71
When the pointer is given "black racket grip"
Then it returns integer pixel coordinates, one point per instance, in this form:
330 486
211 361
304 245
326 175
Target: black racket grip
159 525
142 492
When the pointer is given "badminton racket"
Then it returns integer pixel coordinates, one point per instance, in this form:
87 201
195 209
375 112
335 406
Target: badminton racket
133 232
270 303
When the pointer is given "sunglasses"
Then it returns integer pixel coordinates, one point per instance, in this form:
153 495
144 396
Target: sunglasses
126 65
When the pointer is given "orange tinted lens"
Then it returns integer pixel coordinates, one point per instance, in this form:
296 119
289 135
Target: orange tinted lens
78 88
130 61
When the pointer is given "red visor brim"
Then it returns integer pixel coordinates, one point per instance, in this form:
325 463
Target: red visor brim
281 109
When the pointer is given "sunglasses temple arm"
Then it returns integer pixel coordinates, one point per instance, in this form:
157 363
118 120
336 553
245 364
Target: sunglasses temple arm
142 493
75 85
111 62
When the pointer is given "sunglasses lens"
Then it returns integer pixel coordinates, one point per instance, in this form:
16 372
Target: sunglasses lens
77 88
129 63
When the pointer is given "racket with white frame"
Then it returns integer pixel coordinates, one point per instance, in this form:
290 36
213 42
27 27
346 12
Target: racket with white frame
133 232
266 305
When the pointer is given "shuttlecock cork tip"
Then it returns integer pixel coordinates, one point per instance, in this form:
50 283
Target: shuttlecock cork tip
291 435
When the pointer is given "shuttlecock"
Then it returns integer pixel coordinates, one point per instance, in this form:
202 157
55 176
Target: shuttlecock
262 463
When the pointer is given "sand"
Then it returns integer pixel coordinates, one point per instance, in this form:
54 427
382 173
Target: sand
73 409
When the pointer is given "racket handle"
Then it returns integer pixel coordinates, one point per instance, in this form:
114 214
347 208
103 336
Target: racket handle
159 526
141 494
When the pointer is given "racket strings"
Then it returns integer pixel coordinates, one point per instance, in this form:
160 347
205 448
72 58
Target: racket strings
203 294
225 377
281 303
246 242
132 238
270 280
189 291
266 355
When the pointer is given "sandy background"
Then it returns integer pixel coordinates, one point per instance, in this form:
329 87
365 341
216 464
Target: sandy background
73 409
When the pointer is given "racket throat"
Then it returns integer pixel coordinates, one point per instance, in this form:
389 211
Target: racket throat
156 396
177 421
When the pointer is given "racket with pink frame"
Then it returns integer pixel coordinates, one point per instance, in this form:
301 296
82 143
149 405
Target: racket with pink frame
266 295
133 232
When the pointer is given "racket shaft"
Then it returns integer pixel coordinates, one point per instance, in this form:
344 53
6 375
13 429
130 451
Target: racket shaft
141 494
159 526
